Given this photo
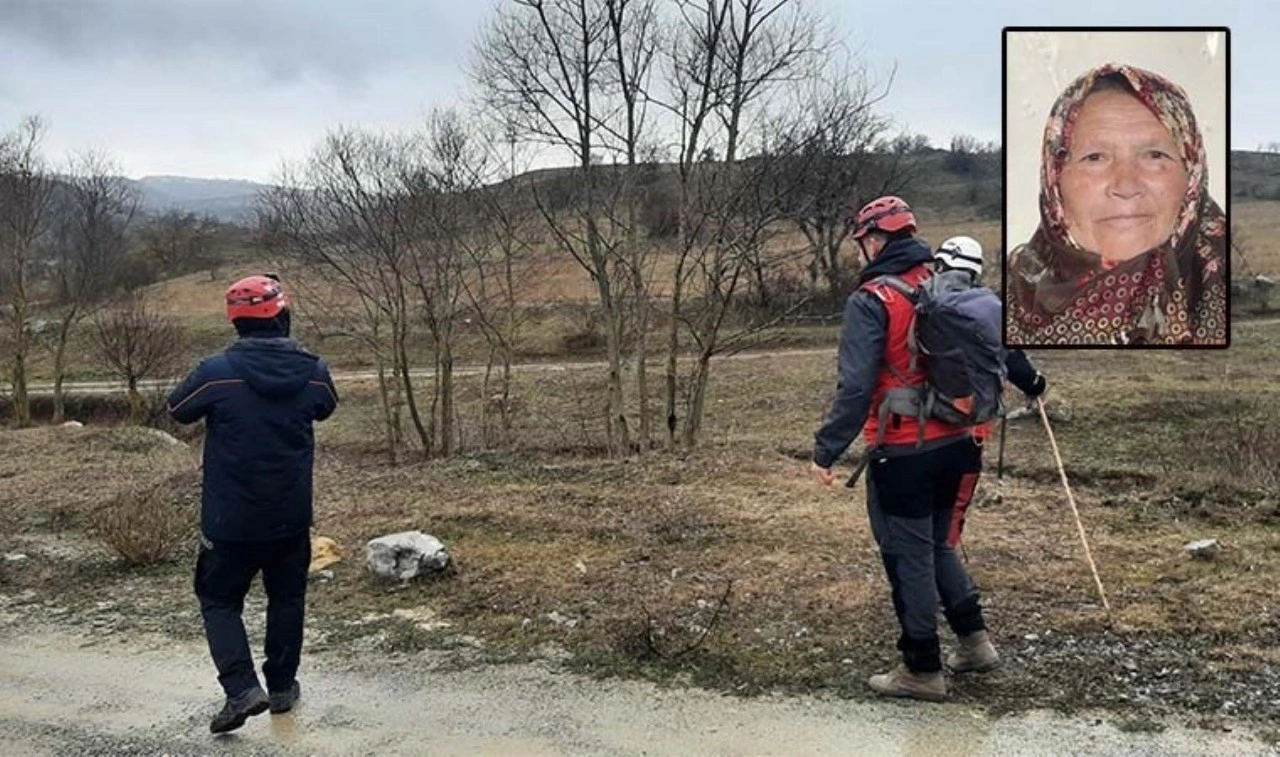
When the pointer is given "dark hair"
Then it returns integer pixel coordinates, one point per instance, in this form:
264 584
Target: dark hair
264 328
1113 82
894 236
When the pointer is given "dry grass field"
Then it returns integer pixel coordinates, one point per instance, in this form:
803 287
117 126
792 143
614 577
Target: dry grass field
728 566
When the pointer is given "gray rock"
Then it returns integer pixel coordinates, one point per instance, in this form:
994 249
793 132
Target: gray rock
405 555
164 437
1204 549
15 557
561 620
73 424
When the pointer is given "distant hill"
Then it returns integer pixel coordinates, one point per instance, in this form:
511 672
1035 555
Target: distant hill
1255 175
942 179
229 200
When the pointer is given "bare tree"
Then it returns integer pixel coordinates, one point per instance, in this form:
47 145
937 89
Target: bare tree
136 343
342 221
26 192
179 241
503 264
724 60
965 144
635 31
767 43
454 167
543 64
906 144
88 242
830 136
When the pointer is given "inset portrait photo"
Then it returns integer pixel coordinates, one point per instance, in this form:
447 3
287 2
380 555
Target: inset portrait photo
1116 155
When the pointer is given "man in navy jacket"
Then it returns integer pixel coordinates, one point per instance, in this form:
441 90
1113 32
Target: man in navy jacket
259 399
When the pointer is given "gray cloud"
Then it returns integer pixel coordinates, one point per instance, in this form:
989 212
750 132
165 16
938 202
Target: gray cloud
230 87
338 39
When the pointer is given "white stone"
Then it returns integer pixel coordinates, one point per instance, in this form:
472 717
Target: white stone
561 620
405 555
1204 549
163 436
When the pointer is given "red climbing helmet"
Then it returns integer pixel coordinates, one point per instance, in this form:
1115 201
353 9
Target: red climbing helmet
256 297
887 214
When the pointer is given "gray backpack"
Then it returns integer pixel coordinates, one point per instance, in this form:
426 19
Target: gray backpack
955 337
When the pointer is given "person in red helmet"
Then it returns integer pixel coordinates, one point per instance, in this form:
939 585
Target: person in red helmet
914 473
259 399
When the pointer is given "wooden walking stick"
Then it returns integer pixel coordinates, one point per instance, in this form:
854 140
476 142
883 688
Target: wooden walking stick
1004 424
1079 524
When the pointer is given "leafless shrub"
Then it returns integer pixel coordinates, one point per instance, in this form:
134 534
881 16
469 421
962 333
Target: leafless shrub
649 636
136 343
151 523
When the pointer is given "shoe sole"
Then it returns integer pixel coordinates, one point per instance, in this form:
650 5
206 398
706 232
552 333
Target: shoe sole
928 696
976 668
243 718
922 695
278 710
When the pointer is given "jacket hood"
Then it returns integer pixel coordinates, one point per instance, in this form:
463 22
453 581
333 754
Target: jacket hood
275 367
899 256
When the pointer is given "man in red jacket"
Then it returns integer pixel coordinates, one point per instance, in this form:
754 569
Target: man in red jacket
911 486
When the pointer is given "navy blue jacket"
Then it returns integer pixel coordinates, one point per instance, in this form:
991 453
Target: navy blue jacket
862 340
259 399
1022 374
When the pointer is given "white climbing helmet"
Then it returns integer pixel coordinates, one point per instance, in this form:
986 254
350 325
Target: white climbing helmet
960 253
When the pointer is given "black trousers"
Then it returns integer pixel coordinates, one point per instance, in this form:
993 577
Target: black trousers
224 572
911 502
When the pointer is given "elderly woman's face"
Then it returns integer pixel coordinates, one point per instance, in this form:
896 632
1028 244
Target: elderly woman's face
1123 181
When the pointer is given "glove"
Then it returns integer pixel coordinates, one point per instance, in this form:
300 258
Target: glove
1038 386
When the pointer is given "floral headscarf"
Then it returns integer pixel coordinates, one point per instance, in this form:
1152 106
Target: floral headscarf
1060 293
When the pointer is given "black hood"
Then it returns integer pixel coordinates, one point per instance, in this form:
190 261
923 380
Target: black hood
899 256
275 367
263 327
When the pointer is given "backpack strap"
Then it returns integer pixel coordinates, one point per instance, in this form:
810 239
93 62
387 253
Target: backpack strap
897 282
921 402
906 289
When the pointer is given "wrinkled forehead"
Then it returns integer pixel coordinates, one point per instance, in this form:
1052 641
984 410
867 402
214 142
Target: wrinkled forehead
1115 118
1166 101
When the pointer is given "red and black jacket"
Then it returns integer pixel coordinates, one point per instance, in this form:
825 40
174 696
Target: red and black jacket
873 336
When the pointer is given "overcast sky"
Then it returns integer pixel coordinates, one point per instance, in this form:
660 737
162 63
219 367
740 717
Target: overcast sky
230 88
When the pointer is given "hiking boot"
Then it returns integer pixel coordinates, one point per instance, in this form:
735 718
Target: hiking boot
283 701
901 682
239 709
974 654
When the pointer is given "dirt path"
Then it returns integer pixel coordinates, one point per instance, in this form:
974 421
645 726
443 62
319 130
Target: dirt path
113 387
68 695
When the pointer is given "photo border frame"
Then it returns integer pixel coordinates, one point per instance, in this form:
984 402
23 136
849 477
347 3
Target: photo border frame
1007 245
